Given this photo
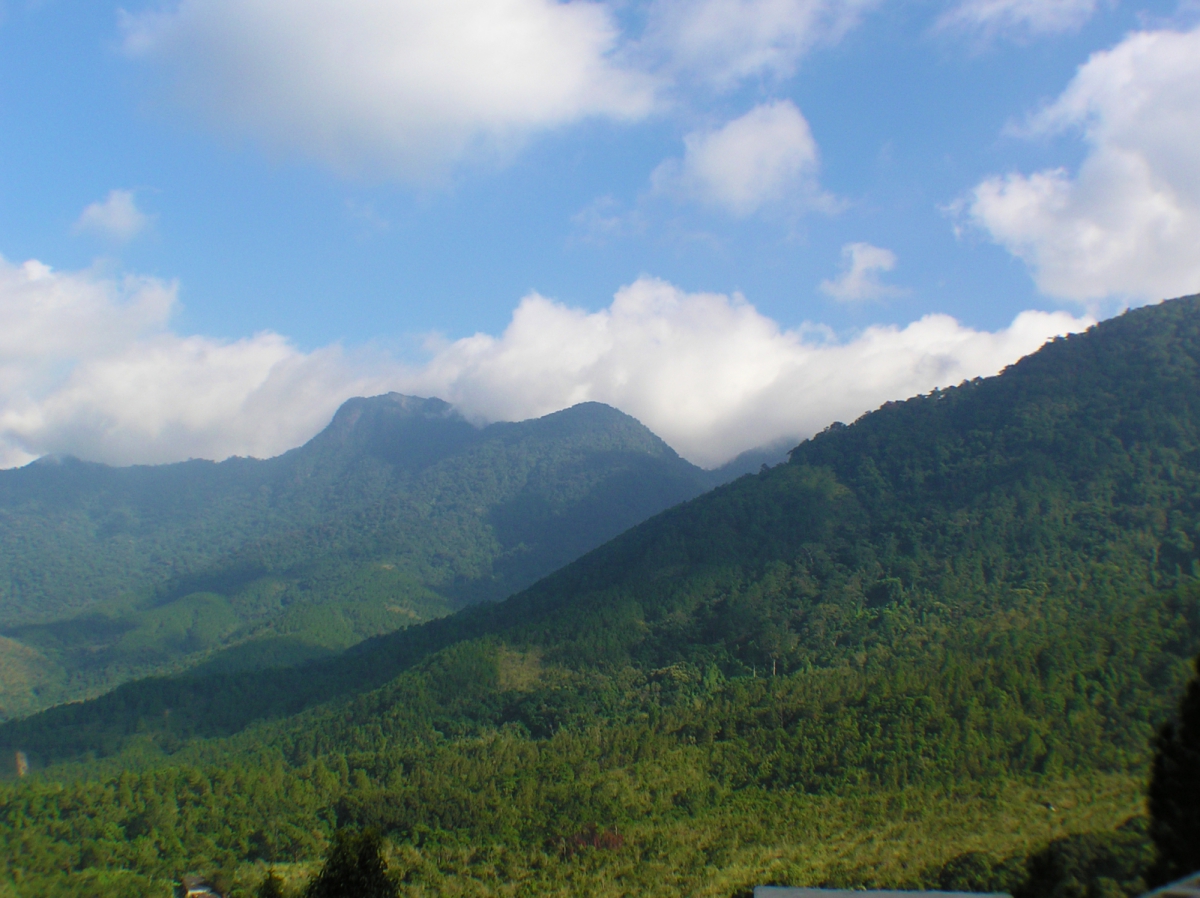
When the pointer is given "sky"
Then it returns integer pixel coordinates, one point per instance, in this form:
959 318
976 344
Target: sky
736 220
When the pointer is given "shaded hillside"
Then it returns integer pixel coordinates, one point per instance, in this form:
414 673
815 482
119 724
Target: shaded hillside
1065 488
985 596
399 511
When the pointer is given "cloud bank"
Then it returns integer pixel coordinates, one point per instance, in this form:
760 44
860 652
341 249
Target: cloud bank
1127 224
89 366
707 372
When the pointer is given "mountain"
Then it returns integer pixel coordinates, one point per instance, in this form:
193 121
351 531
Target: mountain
935 641
399 511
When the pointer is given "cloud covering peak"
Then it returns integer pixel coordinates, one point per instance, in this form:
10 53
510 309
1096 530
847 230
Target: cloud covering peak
709 373
89 366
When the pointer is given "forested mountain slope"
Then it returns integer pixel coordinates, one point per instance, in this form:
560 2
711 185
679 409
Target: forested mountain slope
1070 483
399 511
985 597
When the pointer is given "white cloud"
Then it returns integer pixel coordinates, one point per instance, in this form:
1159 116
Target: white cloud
764 157
409 88
707 372
117 217
1127 225
89 367
1018 17
724 42
401 87
861 266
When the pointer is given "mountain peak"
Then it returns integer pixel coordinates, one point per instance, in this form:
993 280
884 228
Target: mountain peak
388 405
407 431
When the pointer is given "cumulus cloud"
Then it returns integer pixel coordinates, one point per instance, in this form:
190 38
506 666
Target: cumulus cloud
1127 224
763 157
723 42
861 267
708 372
117 217
90 367
1017 17
393 86
410 87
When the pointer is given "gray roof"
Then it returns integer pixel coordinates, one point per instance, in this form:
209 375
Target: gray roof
1188 887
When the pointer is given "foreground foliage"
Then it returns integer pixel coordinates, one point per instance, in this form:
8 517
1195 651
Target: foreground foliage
355 866
866 837
489 764
1174 795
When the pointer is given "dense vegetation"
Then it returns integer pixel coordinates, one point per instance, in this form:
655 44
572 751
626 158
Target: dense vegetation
398 512
934 648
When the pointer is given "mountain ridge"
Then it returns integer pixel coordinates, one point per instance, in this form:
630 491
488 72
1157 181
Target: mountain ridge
933 646
398 511
667 591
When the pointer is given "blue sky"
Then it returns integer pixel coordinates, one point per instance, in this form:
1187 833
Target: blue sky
240 213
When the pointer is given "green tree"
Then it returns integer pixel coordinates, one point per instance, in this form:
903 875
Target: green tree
270 887
355 868
1090 865
1174 794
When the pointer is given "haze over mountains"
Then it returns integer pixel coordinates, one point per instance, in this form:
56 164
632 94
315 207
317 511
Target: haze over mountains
399 511
940 621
